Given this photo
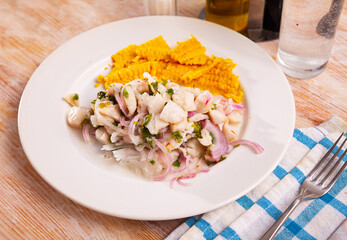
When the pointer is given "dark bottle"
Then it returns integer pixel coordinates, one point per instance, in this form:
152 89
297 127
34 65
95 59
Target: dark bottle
272 15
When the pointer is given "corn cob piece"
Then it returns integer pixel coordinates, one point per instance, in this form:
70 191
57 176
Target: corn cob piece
124 57
157 42
153 53
188 51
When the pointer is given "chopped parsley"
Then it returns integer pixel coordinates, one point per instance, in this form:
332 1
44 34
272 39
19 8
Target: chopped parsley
152 162
150 90
155 85
222 158
146 120
170 91
115 123
212 137
176 164
93 102
237 145
197 129
112 99
84 122
177 135
146 135
75 97
125 93
208 163
164 82
101 95
214 107
158 135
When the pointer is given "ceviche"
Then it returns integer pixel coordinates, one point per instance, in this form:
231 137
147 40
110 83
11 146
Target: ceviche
166 113
161 129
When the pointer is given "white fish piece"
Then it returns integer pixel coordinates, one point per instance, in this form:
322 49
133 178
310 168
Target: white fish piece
139 85
130 99
173 113
155 124
185 100
217 117
235 116
142 101
198 117
194 148
206 138
229 133
196 91
75 117
181 126
94 121
112 111
102 136
69 98
204 102
156 104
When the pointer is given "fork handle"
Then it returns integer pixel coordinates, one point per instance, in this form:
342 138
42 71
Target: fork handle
270 234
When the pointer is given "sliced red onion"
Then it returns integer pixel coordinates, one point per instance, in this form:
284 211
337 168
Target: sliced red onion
172 182
162 131
120 102
191 114
220 145
168 162
204 170
131 130
179 181
208 99
255 146
150 153
85 133
237 106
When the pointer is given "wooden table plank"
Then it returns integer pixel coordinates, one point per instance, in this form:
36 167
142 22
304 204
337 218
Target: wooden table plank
29 32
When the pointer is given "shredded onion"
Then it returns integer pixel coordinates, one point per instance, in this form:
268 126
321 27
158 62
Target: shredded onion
255 146
131 130
85 133
179 180
120 102
191 114
220 145
168 158
172 182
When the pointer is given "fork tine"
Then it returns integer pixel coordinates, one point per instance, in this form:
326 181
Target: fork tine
333 169
330 162
310 175
338 173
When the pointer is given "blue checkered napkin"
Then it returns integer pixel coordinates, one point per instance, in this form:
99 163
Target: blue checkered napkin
250 216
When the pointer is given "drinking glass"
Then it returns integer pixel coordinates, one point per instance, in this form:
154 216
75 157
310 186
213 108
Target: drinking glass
160 7
307 36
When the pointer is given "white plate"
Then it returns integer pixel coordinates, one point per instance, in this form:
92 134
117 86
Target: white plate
75 169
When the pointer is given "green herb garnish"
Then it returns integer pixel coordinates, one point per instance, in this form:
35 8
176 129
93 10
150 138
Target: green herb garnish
125 93
152 162
177 135
197 129
222 158
237 145
115 123
212 137
164 82
158 135
170 91
93 102
146 135
208 163
146 119
112 99
101 95
214 107
75 97
155 85
84 122
176 164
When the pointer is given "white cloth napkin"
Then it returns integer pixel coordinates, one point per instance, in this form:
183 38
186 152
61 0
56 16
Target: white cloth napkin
250 216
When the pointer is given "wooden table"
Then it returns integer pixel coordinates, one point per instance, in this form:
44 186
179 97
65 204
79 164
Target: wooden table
29 32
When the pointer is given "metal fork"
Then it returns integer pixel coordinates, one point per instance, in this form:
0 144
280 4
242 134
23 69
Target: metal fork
318 182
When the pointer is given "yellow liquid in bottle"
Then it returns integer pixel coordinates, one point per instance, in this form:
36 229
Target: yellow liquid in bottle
230 13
